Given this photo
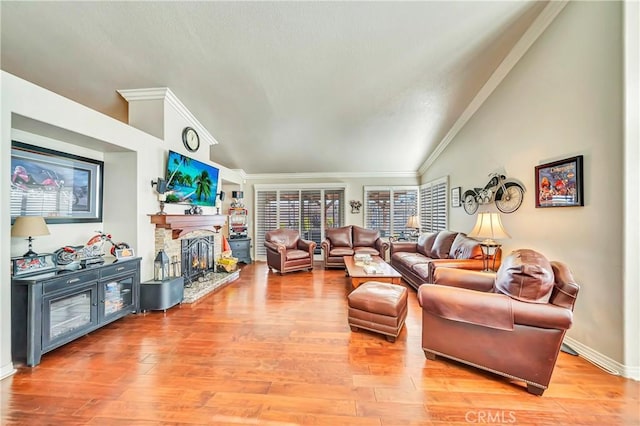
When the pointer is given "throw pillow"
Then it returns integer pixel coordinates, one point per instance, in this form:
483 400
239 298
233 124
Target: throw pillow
526 275
464 247
442 244
425 242
340 237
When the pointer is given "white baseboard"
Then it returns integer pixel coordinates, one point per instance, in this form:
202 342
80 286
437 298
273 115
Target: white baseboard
6 371
603 361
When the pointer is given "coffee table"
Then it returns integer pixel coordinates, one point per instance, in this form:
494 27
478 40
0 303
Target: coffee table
358 275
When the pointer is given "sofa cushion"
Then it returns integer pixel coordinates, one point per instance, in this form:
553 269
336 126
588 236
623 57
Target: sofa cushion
341 251
408 259
287 237
525 275
363 237
421 270
442 244
464 247
425 243
366 250
340 237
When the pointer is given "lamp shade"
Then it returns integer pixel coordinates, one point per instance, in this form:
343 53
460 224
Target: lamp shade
413 222
29 226
489 226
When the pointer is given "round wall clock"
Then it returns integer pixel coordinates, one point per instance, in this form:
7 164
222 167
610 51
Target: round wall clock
190 139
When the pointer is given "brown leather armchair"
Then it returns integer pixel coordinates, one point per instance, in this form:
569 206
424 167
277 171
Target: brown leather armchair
350 240
287 252
511 323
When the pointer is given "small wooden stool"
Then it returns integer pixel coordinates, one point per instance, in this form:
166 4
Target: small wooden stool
378 307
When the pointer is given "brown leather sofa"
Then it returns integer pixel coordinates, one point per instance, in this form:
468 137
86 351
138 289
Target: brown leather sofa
417 261
350 240
511 323
287 252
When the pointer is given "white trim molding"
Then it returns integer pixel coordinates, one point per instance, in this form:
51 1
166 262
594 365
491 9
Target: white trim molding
165 94
331 175
536 29
6 371
602 361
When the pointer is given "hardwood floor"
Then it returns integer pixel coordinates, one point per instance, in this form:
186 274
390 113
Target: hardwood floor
277 350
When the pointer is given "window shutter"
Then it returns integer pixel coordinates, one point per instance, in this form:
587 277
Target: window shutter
334 208
433 205
311 218
378 211
405 204
266 217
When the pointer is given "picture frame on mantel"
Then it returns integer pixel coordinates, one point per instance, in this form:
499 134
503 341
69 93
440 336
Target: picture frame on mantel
560 183
61 187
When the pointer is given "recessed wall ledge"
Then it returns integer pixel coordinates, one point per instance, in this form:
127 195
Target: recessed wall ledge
181 224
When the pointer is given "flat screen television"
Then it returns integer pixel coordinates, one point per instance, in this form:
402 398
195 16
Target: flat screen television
190 181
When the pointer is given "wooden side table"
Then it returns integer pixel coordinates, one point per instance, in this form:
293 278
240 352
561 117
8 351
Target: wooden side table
489 249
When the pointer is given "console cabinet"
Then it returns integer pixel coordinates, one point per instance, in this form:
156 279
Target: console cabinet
241 248
51 309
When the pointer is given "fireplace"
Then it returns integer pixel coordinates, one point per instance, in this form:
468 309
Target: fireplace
196 256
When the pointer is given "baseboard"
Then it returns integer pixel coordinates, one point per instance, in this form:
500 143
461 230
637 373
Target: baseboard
603 361
6 371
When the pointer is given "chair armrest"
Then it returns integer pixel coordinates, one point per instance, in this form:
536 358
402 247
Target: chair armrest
463 278
462 305
280 248
398 246
306 245
543 315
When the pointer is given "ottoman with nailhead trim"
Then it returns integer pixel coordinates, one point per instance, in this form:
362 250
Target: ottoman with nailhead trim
378 307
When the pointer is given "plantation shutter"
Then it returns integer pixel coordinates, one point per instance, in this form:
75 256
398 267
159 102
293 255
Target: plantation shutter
433 205
266 217
378 211
299 209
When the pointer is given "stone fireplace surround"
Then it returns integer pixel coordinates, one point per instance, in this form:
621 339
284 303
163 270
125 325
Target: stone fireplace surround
169 232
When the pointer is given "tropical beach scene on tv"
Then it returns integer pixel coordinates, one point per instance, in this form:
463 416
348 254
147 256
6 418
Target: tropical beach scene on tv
190 181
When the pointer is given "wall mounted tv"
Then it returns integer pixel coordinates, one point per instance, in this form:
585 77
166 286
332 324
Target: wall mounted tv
190 181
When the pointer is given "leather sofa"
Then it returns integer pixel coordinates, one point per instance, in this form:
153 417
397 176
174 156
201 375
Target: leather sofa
511 323
287 252
417 261
350 240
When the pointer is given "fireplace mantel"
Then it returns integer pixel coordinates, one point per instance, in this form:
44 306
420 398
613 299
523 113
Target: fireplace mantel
181 224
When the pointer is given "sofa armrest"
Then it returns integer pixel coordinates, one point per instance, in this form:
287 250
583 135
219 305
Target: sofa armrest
398 246
325 245
462 305
382 246
463 278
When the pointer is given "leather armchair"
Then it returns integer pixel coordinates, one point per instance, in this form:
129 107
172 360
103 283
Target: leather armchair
287 252
468 318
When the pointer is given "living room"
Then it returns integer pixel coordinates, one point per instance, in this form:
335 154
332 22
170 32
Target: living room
573 91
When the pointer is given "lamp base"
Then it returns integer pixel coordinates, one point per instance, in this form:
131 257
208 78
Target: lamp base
30 253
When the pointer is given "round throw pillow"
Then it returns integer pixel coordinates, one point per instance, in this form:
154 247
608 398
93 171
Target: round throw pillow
526 275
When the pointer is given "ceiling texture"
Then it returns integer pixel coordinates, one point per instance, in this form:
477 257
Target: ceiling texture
284 87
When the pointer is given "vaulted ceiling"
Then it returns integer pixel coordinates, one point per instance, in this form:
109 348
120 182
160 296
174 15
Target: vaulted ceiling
284 87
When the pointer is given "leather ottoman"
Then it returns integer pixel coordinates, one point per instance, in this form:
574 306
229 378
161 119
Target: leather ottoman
378 307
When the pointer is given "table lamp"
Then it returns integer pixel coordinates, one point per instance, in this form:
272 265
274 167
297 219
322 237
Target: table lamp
29 226
488 226
413 223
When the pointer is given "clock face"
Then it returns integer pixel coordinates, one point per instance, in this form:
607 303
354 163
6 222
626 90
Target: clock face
190 139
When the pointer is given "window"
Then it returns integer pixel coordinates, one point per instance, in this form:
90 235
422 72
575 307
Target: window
310 211
433 205
387 209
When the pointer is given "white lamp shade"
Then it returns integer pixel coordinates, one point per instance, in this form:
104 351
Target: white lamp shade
489 226
413 222
29 226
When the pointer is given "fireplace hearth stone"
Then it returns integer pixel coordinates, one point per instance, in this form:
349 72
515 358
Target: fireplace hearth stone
205 285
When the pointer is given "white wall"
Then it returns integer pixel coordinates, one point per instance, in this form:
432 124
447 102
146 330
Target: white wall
563 98
132 159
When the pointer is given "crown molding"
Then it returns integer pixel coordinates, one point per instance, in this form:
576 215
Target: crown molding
165 94
546 17
325 175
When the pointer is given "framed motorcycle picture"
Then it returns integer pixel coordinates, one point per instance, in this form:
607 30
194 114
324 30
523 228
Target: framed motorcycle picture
61 187
559 184
32 264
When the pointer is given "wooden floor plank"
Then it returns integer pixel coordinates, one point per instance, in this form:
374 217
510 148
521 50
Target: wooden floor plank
277 350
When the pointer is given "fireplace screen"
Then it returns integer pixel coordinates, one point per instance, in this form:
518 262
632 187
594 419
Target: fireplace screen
197 257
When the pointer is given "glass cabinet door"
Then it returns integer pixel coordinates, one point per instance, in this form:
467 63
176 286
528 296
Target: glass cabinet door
66 316
117 296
